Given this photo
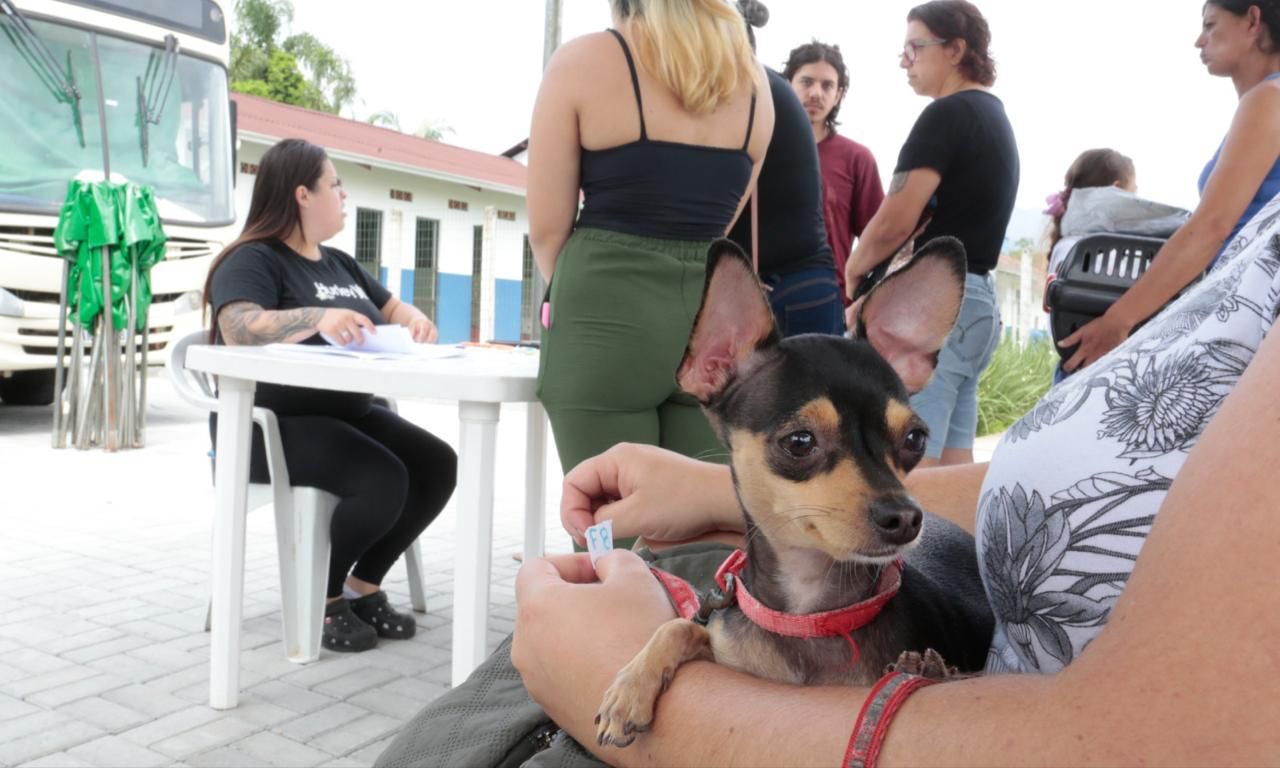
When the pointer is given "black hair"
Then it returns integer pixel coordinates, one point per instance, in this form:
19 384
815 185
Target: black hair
755 14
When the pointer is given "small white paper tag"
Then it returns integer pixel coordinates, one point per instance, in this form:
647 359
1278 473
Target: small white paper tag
599 540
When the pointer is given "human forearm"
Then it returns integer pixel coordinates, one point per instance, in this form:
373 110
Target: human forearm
546 250
246 324
405 314
893 224
712 715
880 240
1180 261
949 492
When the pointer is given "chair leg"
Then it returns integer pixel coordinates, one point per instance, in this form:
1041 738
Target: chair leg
413 564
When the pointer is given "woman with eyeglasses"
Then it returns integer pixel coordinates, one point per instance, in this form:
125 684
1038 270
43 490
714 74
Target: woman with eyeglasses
956 175
1238 39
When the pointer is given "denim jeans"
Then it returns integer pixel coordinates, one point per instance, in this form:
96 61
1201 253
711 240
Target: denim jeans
806 302
949 403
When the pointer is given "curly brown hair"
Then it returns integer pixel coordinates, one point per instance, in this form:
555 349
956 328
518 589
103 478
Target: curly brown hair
953 20
813 52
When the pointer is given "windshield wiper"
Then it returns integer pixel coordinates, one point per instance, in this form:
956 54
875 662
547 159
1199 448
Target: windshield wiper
153 90
43 64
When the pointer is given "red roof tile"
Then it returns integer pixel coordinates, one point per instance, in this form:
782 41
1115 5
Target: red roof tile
380 145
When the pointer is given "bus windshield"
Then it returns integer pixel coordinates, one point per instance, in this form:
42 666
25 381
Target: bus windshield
50 139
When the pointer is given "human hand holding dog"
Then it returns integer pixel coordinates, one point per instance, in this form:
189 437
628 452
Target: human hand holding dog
574 632
651 492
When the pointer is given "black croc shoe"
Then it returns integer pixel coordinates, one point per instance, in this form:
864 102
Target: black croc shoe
375 611
344 632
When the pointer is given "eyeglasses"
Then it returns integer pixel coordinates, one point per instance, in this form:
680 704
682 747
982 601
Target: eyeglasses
911 49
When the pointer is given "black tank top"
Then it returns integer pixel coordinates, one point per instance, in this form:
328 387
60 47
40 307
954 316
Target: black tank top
663 189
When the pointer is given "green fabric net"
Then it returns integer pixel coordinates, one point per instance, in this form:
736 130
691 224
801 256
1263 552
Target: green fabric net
122 218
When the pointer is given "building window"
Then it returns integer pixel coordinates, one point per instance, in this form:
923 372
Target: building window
506 215
369 240
402 195
477 260
249 169
530 307
458 205
425 250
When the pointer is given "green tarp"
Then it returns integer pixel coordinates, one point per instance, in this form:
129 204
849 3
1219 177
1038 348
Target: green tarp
123 218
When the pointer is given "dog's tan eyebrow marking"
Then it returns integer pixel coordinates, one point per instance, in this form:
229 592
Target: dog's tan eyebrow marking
822 414
899 417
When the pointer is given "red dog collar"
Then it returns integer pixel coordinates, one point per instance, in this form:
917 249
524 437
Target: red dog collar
840 622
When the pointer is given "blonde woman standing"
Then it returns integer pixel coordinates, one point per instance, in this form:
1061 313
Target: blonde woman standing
661 123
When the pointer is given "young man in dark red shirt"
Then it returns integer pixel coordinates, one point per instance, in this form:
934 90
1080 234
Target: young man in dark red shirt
851 188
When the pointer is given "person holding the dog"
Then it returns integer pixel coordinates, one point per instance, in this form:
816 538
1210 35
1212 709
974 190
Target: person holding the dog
661 123
1239 39
958 171
1126 604
851 190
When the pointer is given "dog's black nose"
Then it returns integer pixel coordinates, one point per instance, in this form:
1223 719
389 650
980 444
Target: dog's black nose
897 521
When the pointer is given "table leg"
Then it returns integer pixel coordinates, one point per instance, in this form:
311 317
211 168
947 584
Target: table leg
477 443
231 485
535 479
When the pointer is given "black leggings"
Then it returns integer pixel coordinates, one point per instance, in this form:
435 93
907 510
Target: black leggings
391 476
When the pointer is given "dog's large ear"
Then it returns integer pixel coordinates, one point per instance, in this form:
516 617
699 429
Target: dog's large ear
908 316
734 321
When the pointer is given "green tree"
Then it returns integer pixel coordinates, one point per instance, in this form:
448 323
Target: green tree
385 119
429 129
299 69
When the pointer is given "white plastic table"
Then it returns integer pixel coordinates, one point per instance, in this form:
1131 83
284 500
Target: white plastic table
480 381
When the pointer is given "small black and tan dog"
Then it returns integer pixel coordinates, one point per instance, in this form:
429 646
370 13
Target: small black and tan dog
821 437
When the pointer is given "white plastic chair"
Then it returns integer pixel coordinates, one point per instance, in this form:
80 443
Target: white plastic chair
302 520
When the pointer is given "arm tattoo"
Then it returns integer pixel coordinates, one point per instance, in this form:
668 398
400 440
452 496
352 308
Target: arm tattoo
247 324
898 182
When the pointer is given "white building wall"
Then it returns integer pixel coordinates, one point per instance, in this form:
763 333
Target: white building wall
368 186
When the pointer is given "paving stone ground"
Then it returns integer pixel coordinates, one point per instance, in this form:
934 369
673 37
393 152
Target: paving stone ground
105 562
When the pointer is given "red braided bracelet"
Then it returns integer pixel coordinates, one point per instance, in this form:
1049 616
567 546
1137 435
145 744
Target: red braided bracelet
876 714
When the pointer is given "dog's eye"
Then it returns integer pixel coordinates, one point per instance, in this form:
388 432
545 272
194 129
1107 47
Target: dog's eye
915 441
799 444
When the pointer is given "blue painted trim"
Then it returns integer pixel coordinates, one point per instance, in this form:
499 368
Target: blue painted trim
506 310
453 307
406 285
382 276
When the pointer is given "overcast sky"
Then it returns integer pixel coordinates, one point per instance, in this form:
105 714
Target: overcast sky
1072 75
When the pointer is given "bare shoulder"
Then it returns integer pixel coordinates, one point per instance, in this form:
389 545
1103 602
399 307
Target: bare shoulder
1261 104
574 56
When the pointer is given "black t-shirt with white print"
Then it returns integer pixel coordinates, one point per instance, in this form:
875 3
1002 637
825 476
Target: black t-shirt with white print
274 276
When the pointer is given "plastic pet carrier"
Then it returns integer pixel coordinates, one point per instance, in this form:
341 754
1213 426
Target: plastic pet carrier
1096 271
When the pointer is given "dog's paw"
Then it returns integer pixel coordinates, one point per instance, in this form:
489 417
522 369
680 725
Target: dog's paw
628 705
929 664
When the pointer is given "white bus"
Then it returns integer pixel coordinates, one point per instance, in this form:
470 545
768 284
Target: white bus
131 89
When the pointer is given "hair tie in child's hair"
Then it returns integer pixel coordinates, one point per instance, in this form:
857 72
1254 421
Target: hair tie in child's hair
1057 204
